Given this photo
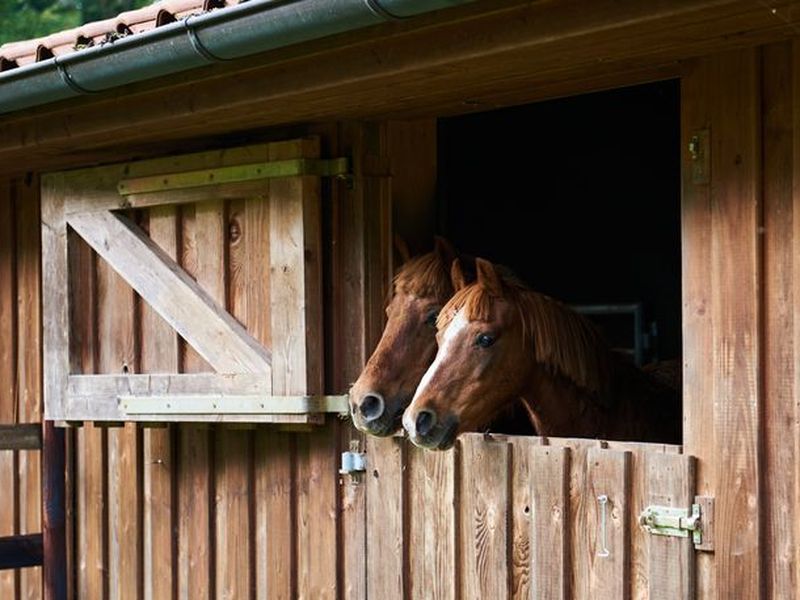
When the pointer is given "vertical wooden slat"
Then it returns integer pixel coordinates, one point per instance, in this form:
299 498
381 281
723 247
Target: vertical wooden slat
736 288
580 505
780 307
9 580
670 482
29 363
385 511
550 533
297 359
360 236
160 352
795 577
90 556
195 471
117 353
520 560
699 436
433 543
484 518
608 476
54 567
233 447
257 281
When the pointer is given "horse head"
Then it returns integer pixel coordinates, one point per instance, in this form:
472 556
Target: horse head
408 344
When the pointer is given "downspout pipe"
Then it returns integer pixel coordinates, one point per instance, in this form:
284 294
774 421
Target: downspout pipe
234 32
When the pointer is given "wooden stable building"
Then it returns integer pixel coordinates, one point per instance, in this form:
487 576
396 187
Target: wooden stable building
195 256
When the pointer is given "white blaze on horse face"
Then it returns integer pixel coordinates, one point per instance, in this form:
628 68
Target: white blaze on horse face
455 327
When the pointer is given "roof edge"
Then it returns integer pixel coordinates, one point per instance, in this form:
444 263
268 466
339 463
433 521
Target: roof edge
226 34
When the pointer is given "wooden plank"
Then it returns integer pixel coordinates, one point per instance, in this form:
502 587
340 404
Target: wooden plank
233 449
698 318
521 513
21 437
780 307
386 507
95 188
197 524
608 523
484 517
90 557
434 502
159 352
580 506
670 482
173 293
735 302
276 517
9 580
296 329
21 551
796 299
55 303
29 362
550 535
54 499
117 353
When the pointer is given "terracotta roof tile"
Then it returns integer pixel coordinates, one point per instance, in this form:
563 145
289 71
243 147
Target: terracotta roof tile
25 52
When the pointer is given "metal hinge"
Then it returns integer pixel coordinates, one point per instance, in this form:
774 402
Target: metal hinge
672 521
333 167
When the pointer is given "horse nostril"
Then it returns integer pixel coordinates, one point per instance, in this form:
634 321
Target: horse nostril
371 407
425 422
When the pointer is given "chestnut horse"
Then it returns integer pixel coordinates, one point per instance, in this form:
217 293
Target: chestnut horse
499 340
408 344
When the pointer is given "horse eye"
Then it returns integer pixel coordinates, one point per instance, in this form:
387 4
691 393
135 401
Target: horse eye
430 320
484 340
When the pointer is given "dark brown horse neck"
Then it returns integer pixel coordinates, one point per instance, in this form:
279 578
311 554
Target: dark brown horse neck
635 406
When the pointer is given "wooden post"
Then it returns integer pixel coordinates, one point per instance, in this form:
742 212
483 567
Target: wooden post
53 507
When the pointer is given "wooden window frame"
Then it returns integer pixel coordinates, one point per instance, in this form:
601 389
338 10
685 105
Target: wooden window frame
241 390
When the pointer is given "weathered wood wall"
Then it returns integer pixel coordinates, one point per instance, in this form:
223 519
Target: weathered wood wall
741 333
20 370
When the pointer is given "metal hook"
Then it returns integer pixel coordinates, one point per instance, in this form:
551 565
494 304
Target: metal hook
603 552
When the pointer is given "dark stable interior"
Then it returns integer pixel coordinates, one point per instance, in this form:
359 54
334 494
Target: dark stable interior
581 198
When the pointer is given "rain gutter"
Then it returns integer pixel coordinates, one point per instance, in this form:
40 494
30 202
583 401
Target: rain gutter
221 35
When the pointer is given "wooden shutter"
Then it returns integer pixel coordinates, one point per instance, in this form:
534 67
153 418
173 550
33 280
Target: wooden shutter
186 288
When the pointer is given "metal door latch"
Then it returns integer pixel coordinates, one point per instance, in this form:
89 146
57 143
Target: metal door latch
353 462
672 521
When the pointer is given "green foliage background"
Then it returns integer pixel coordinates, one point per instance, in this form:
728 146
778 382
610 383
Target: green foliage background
25 19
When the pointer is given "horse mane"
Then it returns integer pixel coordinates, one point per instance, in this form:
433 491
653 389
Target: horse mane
426 275
564 342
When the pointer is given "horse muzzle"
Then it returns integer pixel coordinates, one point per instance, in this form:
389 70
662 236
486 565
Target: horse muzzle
427 430
372 414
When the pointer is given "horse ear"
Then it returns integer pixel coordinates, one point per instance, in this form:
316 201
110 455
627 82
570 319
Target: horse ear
457 275
444 249
488 277
401 248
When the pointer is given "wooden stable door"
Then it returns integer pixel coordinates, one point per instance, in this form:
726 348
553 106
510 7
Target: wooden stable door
528 517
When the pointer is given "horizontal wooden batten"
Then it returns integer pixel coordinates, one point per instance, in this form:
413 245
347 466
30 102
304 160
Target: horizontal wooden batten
173 293
336 167
250 404
198 397
26 436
